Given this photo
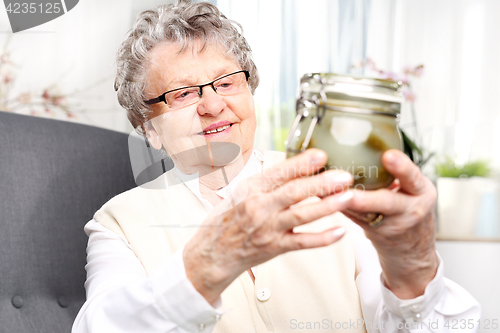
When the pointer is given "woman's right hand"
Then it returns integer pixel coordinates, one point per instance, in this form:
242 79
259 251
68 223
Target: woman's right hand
260 227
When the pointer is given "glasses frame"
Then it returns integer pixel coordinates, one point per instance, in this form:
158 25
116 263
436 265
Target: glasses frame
161 98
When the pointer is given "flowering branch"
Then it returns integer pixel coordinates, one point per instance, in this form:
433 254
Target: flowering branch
404 77
47 102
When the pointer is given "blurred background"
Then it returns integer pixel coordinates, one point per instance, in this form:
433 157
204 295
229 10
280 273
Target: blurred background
446 52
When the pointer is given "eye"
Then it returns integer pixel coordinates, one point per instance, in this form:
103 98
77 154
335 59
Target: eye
184 94
182 97
225 83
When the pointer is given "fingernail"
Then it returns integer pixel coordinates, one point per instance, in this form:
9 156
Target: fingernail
390 158
318 158
346 196
344 177
338 232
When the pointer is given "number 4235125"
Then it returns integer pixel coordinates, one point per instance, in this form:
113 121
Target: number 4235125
486 324
32 8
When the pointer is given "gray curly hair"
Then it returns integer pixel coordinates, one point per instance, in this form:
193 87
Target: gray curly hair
182 23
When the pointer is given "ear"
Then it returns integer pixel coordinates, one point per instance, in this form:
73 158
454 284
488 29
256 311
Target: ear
152 135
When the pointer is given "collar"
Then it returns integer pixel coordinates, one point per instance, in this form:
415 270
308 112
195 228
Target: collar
252 167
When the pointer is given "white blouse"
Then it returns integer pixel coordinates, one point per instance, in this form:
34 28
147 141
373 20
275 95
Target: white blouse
122 298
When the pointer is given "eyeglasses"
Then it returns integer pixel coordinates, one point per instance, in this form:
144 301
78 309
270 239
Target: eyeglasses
230 84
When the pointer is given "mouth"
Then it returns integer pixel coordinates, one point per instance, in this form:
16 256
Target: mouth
216 128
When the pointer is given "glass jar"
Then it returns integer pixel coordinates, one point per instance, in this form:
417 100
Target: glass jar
353 119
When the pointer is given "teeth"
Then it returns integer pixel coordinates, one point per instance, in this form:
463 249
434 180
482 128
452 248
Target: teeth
219 129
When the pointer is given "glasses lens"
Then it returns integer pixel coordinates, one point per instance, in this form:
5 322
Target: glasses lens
231 84
181 98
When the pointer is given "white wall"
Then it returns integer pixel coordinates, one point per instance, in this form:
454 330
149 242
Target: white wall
476 267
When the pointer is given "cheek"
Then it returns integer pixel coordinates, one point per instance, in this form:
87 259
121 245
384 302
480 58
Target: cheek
249 122
177 132
165 129
245 110
251 118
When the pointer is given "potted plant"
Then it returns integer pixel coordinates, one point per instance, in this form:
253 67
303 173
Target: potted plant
467 200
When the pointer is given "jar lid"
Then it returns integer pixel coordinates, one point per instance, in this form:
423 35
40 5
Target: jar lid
354 86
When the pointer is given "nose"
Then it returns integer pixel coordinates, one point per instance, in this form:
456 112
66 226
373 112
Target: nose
210 102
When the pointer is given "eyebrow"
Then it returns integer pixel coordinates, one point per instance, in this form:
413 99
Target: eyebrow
188 81
182 82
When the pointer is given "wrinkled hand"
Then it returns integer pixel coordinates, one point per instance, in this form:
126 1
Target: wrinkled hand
405 241
260 227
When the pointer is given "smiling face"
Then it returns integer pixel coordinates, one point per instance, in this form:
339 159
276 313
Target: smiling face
214 118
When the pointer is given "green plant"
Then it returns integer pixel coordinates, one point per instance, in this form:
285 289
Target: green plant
415 153
449 168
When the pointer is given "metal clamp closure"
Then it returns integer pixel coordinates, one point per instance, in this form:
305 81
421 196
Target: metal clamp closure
302 107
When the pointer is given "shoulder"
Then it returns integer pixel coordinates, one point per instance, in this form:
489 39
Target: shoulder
135 201
142 193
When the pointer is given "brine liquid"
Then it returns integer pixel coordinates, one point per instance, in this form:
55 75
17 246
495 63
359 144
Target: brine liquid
353 143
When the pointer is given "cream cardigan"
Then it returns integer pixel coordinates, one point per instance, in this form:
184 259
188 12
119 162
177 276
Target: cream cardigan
315 285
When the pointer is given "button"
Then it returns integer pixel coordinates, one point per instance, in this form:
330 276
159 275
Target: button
263 294
217 317
417 317
201 327
415 308
17 301
63 302
228 191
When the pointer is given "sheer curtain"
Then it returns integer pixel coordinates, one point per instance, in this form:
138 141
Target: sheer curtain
458 109
290 38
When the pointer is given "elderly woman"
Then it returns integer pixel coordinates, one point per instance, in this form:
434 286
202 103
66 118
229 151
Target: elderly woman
226 241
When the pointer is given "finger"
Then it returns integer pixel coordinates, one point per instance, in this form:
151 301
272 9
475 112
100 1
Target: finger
305 164
391 225
298 241
299 215
401 167
354 216
363 218
382 201
395 186
326 183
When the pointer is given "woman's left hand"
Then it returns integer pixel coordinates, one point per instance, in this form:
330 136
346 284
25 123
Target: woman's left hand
405 241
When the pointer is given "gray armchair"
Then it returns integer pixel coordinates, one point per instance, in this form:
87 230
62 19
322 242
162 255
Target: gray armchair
54 176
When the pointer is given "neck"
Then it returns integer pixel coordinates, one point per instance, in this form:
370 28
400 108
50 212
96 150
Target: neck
214 178
222 176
